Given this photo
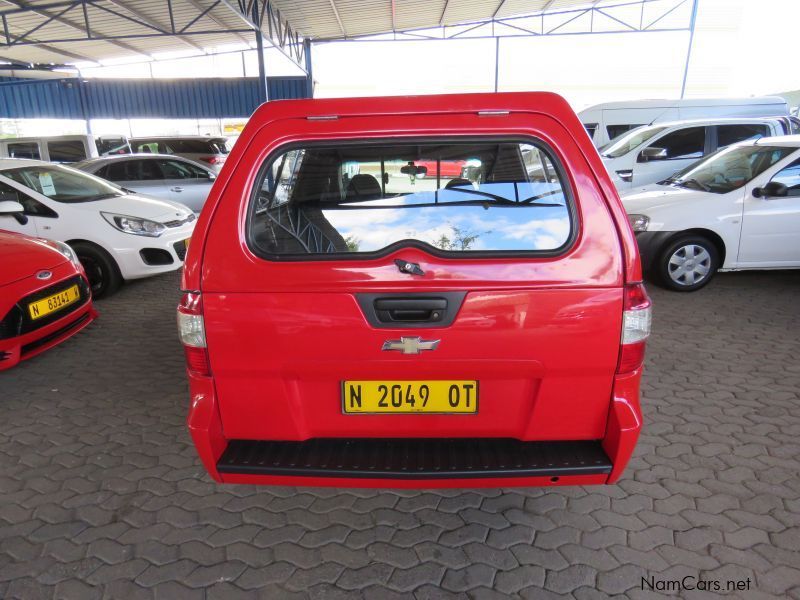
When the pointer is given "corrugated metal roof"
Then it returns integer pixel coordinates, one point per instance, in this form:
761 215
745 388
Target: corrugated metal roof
131 98
55 31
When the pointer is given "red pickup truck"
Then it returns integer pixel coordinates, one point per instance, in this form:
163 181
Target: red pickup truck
343 327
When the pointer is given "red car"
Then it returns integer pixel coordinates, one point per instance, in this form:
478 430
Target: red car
347 332
44 296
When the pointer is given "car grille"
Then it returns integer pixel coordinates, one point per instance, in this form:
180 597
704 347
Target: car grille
180 249
17 321
179 222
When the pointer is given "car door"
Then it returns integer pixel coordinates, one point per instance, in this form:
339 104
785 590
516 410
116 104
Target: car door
187 183
771 224
681 148
141 175
37 219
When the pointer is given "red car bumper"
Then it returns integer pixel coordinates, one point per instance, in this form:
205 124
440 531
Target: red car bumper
622 431
29 344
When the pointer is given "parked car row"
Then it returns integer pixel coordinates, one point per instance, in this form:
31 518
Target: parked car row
208 150
738 208
116 234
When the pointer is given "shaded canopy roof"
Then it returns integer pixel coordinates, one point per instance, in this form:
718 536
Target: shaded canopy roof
61 31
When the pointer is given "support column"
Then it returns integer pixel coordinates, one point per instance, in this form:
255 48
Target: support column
263 88
496 60
689 49
309 70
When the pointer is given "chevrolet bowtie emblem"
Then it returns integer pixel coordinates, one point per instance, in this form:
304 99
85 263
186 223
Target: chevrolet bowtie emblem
410 345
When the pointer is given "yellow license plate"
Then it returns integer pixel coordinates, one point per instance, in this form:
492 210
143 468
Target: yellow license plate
393 397
45 306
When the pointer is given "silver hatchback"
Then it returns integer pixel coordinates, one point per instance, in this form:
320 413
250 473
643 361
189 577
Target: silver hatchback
156 175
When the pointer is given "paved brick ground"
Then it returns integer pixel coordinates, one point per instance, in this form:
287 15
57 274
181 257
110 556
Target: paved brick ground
101 494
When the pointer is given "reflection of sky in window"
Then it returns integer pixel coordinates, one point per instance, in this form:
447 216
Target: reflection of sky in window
499 225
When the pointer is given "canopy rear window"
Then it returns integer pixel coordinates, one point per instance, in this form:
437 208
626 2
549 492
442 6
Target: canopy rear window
457 198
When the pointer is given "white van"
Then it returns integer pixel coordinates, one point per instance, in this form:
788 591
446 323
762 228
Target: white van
606 121
649 154
64 148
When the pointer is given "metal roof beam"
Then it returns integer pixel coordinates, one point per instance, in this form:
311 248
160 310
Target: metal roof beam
338 17
211 16
148 21
280 33
55 16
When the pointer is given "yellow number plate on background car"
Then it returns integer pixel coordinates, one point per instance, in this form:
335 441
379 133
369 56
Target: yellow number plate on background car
359 397
45 306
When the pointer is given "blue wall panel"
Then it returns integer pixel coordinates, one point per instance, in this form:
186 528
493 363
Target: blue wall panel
140 98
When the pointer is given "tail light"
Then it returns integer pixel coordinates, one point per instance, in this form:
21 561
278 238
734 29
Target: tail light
191 330
212 160
636 319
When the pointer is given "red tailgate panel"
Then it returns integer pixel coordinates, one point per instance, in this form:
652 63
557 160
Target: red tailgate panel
543 364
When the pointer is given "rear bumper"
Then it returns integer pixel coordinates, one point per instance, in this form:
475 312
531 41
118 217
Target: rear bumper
412 463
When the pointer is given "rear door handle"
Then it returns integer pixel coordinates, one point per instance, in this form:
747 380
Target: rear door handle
410 310
176 189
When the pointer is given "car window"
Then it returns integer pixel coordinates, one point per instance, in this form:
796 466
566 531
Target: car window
62 184
112 145
590 128
32 207
730 168
175 169
617 130
730 134
191 147
119 170
630 141
24 150
143 170
148 147
66 151
688 142
790 177
452 197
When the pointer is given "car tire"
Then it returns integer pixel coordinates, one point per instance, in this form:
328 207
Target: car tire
687 263
101 269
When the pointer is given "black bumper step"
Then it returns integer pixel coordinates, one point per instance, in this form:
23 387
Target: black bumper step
414 458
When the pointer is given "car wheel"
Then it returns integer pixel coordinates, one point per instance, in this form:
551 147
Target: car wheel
688 263
101 269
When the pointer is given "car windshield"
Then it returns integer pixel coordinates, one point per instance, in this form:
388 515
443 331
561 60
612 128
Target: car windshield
630 141
63 184
729 168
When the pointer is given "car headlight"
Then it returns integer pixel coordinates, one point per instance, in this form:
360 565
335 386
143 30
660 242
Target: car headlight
65 250
639 222
134 225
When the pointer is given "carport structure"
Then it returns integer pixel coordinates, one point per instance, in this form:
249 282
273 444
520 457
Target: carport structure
92 31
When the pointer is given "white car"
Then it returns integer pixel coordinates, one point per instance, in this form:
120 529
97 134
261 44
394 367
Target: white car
157 175
649 154
116 235
737 209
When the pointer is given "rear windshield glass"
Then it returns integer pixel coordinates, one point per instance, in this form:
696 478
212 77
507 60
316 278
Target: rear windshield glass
453 197
66 151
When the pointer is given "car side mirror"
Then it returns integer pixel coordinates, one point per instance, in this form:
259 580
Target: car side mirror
12 208
211 176
774 189
652 153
